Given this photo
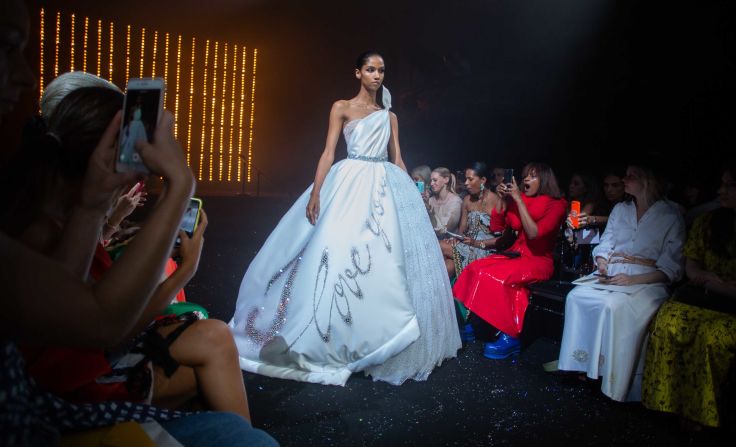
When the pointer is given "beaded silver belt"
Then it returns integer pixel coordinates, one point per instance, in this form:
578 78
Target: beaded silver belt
364 158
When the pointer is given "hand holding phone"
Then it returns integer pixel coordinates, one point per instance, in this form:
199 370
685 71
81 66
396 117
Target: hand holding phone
602 276
575 213
190 220
455 235
420 186
508 176
142 109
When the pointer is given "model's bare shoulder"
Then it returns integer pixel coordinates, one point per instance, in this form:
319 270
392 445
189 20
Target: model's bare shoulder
340 109
394 118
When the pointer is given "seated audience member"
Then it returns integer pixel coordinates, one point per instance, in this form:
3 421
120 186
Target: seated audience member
613 194
639 254
696 195
494 287
423 174
582 231
187 355
481 217
496 178
444 206
584 189
692 339
39 289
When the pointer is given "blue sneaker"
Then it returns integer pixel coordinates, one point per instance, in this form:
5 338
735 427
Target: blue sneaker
467 334
502 348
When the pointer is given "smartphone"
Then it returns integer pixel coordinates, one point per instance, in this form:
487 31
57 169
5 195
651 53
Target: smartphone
574 213
508 176
420 186
602 276
455 235
190 220
142 108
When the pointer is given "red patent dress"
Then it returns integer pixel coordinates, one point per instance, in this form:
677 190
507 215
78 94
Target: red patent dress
494 287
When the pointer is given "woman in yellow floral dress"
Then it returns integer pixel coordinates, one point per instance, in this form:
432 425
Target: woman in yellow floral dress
693 338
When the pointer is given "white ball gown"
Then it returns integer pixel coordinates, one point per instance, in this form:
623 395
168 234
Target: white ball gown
365 289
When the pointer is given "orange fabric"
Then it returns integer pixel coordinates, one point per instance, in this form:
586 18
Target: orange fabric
171 267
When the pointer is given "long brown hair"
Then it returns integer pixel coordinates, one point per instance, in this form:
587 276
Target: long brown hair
548 185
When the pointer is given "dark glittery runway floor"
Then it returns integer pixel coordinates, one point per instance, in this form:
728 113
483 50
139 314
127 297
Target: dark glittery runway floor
468 401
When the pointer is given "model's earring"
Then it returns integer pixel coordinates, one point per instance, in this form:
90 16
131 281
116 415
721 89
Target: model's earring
482 187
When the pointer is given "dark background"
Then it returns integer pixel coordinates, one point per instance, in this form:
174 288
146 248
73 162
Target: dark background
580 84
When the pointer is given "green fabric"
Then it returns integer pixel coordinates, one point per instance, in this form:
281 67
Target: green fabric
182 308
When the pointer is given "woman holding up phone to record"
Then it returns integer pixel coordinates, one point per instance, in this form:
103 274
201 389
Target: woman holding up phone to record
494 288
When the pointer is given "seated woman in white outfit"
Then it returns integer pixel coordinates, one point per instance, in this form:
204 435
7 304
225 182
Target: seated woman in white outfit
360 283
606 319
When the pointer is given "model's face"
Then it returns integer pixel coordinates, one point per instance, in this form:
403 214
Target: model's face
437 182
531 183
497 176
613 188
473 182
727 191
15 74
371 73
633 182
576 189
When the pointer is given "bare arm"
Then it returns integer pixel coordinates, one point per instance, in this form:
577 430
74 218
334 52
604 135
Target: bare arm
337 117
191 252
527 223
463 227
48 304
394 150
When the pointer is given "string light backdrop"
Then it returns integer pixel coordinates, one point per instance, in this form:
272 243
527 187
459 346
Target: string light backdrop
210 88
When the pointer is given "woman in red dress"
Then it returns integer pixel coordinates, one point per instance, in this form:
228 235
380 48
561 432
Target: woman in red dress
494 288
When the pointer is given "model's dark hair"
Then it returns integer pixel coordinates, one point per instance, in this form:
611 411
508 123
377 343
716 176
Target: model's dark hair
53 150
364 56
722 223
548 185
480 169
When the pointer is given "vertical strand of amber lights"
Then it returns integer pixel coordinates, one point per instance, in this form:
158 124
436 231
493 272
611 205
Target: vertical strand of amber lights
155 46
252 112
240 121
176 97
56 49
166 66
99 47
71 45
127 57
214 108
204 110
191 103
42 38
222 110
143 53
232 114
112 48
84 44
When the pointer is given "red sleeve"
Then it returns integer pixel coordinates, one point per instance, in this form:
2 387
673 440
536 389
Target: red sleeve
554 214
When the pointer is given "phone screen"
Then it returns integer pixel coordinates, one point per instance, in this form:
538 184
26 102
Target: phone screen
140 116
420 186
508 175
191 216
